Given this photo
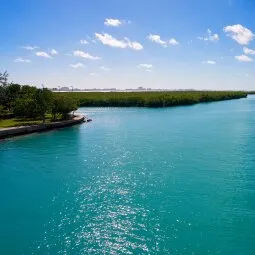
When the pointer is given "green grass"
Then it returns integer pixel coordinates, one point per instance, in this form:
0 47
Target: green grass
151 99
16 122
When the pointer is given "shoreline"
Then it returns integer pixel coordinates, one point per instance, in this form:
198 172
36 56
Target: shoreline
24 130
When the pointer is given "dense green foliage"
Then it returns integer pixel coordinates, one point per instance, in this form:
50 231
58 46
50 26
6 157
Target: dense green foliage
150 99
31 103
63 104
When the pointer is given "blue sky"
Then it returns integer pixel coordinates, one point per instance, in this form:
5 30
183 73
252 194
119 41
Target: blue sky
173 44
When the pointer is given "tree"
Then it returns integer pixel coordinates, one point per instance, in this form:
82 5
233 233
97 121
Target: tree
12 92
1 109
27 91
3 78
43 102
3 84
56 106
25 107
33 103
2 96
63 105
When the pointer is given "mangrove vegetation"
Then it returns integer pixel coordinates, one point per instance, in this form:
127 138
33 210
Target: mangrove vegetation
21 104
150 99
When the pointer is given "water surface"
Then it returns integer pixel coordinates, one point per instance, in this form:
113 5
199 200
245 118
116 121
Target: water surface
134 181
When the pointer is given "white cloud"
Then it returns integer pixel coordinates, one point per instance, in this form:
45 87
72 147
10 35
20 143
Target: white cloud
243 58
157 39
105 68
89 39
53 52
42 54
30 47
210 36
22 60
133 45
173 41
93 74
248 51
84 41
113 22
109 40
77 65
239 33
82 54
210 62
147 66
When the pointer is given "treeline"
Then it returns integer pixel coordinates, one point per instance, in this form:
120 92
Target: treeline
151 99
32 103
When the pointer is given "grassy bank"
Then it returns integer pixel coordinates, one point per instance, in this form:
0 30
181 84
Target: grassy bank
151 99
16 122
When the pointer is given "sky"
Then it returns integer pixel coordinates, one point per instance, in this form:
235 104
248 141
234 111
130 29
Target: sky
167 44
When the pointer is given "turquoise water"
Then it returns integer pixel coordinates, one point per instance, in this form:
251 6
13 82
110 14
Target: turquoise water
134 181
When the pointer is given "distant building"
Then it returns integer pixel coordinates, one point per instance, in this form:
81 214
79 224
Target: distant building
64 89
